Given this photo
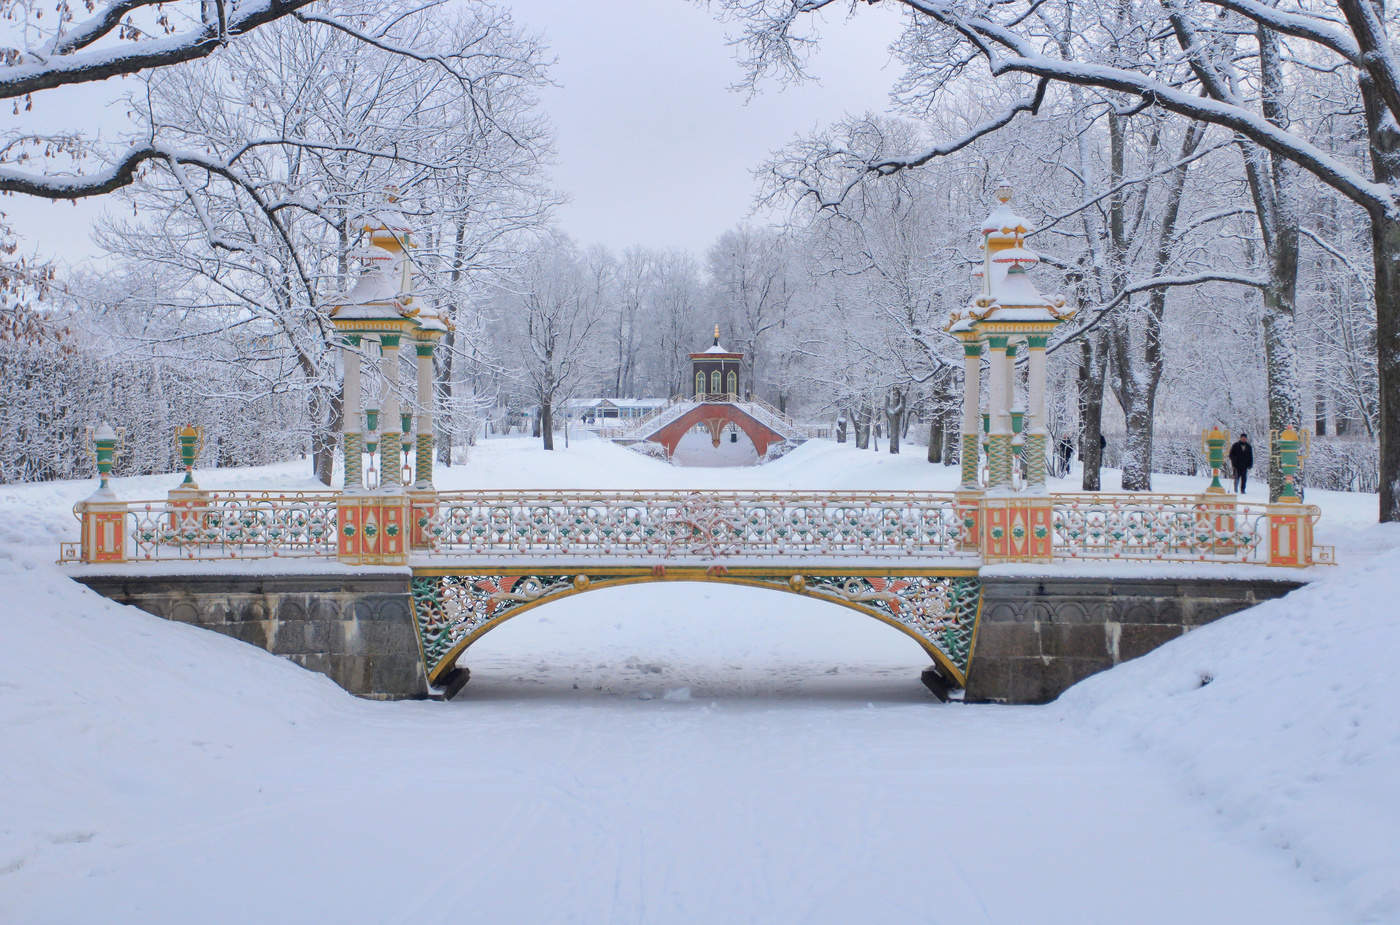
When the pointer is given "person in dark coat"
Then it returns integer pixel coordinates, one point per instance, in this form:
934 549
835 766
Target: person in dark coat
1241 460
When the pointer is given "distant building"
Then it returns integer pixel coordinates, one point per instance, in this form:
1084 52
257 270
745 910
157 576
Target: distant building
593 410
715 372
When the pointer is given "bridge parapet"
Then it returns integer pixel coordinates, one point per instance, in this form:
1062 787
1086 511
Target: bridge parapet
701 527
663 526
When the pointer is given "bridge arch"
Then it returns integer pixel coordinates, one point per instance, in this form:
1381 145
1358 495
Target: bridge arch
761 434
937 608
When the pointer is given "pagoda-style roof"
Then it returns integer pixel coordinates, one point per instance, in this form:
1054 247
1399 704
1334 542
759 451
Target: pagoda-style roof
374 303
1005 292
381 300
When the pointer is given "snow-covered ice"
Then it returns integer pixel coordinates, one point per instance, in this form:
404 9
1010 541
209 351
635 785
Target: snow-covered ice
694 753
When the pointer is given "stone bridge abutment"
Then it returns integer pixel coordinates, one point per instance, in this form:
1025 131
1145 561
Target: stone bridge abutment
371 631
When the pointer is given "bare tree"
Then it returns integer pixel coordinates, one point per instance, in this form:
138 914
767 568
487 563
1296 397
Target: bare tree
555 309
1011 41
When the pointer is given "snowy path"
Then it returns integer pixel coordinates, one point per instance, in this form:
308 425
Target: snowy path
686 753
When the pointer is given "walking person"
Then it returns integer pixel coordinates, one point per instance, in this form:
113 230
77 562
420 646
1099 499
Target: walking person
1241 461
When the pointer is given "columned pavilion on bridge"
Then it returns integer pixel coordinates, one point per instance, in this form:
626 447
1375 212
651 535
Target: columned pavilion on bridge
1006 316
380 505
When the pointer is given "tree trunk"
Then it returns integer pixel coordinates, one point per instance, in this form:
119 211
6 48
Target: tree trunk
1384 138
323 437
1137 446
952 441
547 423
894 414
1281 366
1385 247
1091 381
443 430
861 421
935 439
841 429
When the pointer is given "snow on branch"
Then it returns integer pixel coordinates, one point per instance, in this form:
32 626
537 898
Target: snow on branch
1377 55
33 74
809 169
1160 282
94 28
1007 51
76 186
1053 220
996 123
1313 29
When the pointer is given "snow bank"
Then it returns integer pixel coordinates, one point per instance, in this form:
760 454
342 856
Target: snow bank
1283 718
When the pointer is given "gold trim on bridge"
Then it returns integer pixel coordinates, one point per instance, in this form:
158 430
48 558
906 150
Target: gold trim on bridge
919 602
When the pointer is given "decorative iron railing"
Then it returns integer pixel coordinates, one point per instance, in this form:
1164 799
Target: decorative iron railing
1161 527
658 525
230 525
641 527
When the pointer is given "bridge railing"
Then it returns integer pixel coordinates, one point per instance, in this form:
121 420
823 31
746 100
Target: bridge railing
221 525
676 407
778 417
1152 526
713 526
658 525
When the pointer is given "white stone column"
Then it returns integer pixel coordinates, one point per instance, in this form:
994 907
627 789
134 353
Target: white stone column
391 475
999 407
1036 412
971 413
423 462
350 423
1009 370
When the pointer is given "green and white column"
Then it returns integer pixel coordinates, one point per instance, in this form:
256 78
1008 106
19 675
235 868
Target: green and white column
971 413
390 460
423 464
351 437
1036 435
999 407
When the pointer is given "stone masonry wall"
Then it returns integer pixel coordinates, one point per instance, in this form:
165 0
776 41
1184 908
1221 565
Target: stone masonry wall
358 630
1035 638
1038 636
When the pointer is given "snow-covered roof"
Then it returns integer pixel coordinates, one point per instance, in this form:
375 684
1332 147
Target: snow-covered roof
375 285
1017 255
1016 290
1003 288
617 402
1004 221
715 348
430 319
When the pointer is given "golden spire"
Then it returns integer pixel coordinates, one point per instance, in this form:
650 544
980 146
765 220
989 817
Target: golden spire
716 335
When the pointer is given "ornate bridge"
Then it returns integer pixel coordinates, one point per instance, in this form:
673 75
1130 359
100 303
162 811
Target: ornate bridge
908 559
763 424
467 561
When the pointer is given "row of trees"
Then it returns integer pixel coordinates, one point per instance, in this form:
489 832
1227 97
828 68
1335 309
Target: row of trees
1193 170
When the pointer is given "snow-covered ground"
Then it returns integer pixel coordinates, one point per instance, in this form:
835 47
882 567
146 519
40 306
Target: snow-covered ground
694 753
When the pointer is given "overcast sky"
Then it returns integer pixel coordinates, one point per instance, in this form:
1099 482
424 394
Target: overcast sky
653 146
